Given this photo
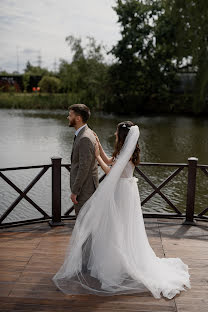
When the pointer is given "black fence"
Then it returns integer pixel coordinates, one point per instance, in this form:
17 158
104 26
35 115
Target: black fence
57 218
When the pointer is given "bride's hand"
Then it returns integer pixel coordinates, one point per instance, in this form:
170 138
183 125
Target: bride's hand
97 139
97 150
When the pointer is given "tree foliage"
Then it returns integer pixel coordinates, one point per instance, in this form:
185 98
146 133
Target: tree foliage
191 28
145 54
35 70
85 76
158 39
50 84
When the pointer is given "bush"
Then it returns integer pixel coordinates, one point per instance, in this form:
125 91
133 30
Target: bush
49 84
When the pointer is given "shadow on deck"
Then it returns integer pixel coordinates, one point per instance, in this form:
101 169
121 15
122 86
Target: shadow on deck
31 254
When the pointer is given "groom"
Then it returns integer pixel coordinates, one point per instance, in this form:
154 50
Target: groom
84 170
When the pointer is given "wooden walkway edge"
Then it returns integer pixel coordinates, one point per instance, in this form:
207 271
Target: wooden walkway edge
31 254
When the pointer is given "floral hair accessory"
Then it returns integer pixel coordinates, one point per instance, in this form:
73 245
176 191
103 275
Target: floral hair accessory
125 126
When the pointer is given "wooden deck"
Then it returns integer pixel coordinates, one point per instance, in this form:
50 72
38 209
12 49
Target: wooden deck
31 254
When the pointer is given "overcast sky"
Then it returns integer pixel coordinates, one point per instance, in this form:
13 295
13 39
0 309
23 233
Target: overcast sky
32 28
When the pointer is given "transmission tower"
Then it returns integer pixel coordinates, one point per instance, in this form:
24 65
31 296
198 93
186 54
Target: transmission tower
39 59
17 54
55 65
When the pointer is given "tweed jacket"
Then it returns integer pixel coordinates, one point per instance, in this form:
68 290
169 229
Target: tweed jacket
84 169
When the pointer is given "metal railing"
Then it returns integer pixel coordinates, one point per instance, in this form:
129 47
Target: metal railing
57 218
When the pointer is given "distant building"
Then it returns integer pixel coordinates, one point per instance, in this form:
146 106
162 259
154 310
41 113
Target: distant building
17 82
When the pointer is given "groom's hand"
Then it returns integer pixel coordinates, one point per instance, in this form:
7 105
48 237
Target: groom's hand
74 198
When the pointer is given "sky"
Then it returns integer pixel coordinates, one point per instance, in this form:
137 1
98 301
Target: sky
32 30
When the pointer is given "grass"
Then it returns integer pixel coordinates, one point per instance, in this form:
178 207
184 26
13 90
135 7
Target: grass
180 103
36 101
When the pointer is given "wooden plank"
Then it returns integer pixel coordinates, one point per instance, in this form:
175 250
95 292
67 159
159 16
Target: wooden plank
33 277
94 303
26 272
40 258
9 276
5 288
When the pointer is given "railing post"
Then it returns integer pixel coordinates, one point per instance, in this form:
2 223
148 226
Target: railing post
56 192
191 189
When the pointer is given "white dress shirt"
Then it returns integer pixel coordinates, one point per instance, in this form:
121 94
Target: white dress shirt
77 131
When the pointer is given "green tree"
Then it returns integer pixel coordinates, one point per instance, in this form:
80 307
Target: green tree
49 84
85 76
4 72
26 81
144 68
36 70
191 28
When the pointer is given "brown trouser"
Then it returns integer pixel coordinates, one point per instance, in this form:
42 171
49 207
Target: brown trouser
87 244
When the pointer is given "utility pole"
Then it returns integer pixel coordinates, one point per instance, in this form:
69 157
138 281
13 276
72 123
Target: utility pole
55 66
39 59
17 55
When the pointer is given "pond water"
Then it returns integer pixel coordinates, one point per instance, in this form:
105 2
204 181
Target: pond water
32 137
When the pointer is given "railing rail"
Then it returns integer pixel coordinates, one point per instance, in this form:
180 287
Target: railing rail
23 194
204 169
57 218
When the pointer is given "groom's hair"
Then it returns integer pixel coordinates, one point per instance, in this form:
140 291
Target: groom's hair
81 110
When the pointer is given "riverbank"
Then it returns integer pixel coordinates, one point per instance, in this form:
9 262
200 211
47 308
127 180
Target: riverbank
181 104
36 100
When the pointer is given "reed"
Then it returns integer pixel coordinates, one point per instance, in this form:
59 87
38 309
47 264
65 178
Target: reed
37 101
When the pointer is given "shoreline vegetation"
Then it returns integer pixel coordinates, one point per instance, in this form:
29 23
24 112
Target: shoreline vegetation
12 100
35 101
159 65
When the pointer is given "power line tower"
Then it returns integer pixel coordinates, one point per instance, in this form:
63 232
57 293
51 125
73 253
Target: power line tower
55 66
17 55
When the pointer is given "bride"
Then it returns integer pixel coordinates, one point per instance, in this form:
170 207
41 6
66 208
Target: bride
109 252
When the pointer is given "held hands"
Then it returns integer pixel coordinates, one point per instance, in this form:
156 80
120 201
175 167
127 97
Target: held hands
97 145
97 139
97 150
74 198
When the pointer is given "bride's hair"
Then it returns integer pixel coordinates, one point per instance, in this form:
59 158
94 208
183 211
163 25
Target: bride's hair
122 131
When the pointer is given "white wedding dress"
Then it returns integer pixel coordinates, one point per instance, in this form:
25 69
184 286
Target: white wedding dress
109 252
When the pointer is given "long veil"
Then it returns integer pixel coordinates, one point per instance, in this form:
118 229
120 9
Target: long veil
108 252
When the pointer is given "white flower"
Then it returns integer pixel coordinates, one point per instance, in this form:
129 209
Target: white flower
125 126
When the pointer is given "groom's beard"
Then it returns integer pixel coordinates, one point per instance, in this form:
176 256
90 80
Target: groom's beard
72 123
